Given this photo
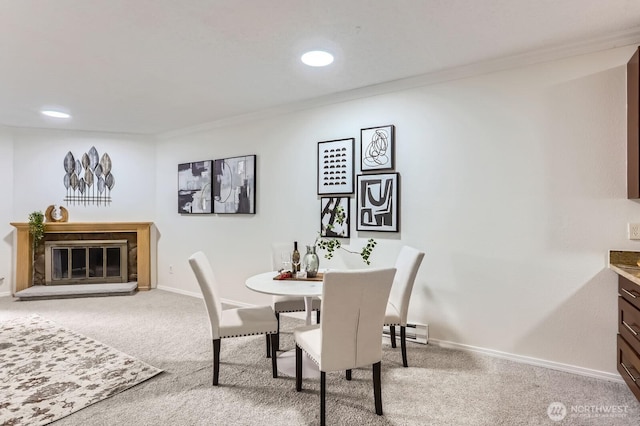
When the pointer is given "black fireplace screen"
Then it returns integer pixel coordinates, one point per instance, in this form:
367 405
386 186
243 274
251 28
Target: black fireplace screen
86 262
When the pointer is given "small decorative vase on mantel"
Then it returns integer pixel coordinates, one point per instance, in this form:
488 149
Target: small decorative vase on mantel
311 262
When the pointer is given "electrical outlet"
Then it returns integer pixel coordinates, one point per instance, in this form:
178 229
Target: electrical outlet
171 268
634 231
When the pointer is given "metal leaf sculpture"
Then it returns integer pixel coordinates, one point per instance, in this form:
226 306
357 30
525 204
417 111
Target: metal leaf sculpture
74 181
105 162
87 174
88 177
67 182
85 161
93 157
69 163
110 181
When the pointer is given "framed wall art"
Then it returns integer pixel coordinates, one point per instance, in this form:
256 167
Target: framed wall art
377 145
329 227
378 202
194 187
335 166
234 185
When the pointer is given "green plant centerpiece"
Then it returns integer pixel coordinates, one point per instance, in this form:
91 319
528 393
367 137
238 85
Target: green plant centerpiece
330 245
36 229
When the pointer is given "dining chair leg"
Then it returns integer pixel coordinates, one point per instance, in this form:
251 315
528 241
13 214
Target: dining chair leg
318 316
216 361
392 330
278 334
403 345
298 368
274 357
348 374
323 388
268 336
377 388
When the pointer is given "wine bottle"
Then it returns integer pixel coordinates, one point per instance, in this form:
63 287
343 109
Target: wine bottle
295 258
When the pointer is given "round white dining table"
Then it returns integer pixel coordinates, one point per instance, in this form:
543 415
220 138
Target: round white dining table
264 283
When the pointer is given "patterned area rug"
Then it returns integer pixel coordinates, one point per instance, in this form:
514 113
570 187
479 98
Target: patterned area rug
48 372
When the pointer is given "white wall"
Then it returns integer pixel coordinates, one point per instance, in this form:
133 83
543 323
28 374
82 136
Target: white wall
513 184
39 172
6 195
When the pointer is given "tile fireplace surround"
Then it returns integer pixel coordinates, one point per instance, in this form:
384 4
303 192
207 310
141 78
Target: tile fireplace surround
24 252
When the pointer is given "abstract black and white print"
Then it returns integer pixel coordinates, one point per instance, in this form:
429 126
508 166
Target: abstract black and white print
329 226
194 187
377 148
378 202
335 166
234 185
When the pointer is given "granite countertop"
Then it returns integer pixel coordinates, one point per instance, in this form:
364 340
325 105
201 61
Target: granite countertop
625 263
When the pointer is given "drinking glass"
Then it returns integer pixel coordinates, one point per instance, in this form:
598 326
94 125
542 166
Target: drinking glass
296 263
286 261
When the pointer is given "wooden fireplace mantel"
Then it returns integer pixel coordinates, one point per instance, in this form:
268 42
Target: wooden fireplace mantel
24 250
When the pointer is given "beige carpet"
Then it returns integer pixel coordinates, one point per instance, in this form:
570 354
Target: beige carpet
48 372
440 387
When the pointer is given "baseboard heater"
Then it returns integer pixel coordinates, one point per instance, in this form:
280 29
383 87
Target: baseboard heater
418 333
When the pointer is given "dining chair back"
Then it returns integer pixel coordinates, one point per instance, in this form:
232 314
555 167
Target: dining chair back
407 265
348 337
231 322
207 282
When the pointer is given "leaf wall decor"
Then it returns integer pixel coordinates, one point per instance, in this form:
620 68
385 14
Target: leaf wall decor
93 158
105 162
110 181
69 163
85 161
87 173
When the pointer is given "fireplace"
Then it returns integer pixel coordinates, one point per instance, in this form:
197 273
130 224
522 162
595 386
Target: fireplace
85 261
141 255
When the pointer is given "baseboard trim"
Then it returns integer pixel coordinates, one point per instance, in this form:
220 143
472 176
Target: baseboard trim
552 365
199 296
7 293
179 291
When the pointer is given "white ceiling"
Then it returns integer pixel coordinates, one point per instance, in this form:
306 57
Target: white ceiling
157 66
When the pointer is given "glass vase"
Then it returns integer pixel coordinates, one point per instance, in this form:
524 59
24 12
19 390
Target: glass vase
311 262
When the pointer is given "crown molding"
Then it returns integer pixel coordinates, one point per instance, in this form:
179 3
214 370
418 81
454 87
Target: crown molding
551 53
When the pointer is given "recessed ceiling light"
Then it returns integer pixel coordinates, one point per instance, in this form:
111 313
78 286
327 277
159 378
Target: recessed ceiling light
55 114
317 58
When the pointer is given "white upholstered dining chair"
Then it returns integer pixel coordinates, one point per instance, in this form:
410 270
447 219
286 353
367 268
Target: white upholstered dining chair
407 265
286 304
231 322
348 337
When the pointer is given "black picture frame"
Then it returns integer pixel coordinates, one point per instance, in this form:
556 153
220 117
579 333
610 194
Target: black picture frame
378 202
328 208
335 166
234 185
194 187
377 148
